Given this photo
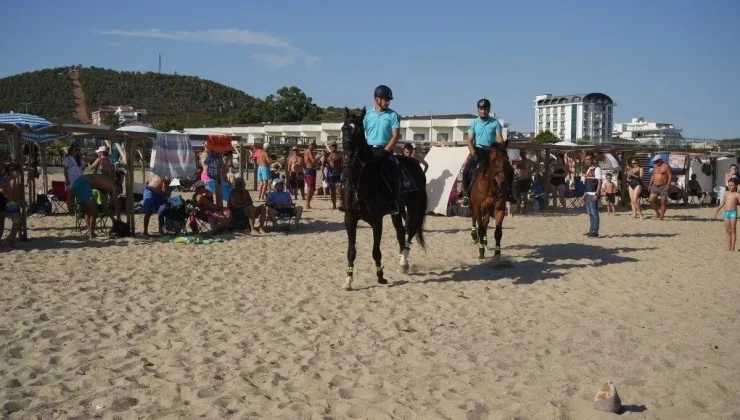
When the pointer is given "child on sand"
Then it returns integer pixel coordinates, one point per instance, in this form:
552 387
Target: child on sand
610 190
729 203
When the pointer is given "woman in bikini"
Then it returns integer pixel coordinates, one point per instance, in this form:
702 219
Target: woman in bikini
557 180
634 180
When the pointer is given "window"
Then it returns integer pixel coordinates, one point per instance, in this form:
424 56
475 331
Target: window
419 137
442 136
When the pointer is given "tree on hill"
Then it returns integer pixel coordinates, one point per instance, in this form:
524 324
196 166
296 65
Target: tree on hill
546 137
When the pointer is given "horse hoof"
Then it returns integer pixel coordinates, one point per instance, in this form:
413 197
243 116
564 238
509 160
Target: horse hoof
382 281
347 284
405 269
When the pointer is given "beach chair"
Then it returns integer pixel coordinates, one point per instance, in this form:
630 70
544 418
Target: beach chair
101 219
718 193
197 220
58 197
239 221
173 219
536 199
284 220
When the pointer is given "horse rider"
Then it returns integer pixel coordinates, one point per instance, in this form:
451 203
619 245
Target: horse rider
382 131
482 133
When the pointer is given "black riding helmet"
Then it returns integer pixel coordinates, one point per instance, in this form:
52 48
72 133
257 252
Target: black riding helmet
484 103
384 92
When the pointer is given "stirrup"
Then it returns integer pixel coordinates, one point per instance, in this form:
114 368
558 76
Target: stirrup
465 202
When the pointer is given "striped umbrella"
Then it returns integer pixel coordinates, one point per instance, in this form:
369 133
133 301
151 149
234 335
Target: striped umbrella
26 122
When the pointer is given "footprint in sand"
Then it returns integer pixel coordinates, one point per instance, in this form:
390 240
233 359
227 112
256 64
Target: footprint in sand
123 404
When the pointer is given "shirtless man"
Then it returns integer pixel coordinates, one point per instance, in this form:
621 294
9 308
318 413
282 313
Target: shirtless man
263 172
241 201
333 164
295 174
81 190
155 196
526 169
310 172
660 186
410 151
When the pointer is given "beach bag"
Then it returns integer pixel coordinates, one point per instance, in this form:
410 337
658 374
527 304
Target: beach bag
43 204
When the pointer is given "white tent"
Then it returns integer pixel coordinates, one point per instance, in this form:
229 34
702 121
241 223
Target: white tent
444 167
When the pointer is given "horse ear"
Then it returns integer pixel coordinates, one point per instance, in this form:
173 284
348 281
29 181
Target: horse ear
346 113
364 111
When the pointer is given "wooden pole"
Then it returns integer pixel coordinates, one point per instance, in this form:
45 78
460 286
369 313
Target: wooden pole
32 177
44 168
143 168
15 138
242 163
219 167
623 187
129 183
546 178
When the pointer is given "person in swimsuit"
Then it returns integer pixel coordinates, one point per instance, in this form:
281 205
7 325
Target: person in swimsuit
729 203
660 186
218 218
526 169
14 204
333 164
241 201
103 163
634 180
82 191
4 186
295 174
310 172
610 191
155 195
263 172
557 180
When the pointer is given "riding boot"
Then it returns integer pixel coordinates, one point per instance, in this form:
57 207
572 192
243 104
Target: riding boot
466 180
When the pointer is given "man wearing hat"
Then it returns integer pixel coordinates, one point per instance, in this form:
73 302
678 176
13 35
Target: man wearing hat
660 183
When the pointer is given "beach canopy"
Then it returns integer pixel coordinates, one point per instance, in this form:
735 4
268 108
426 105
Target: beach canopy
136 128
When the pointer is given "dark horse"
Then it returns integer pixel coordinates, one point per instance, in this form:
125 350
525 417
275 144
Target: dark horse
488 196
367 196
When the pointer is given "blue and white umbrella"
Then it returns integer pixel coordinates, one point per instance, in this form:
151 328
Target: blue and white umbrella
25 122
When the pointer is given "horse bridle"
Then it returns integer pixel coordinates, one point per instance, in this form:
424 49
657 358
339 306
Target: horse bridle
495 175
349 161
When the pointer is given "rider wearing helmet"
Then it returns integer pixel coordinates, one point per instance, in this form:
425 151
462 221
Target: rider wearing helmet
382 131
482 133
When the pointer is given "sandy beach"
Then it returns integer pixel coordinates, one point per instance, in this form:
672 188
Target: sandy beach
258 327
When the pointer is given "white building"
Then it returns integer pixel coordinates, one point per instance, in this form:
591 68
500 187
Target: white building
654 133
413 128
573 117
126 116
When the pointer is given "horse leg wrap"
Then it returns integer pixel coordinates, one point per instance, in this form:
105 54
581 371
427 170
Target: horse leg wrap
485 240
407 246
497 250
348 279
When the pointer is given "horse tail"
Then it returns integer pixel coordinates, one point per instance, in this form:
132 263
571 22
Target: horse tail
421 211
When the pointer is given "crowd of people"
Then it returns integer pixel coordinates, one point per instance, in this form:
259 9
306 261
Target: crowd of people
279 184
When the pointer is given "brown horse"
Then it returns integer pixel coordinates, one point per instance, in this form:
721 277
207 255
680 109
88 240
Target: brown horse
488 196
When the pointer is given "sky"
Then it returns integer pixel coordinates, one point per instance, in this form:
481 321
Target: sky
669 61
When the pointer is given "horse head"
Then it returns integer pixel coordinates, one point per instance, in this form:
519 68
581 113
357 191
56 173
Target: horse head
353 133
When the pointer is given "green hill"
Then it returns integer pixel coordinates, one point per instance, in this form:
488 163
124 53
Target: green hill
172 101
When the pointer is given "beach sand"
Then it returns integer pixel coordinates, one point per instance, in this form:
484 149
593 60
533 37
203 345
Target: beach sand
259 327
